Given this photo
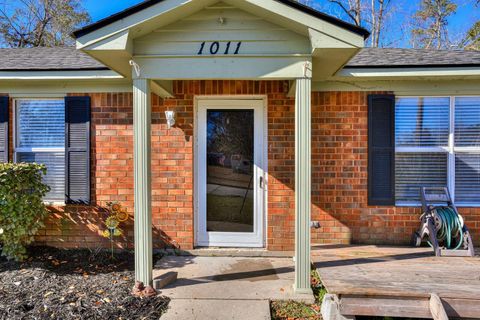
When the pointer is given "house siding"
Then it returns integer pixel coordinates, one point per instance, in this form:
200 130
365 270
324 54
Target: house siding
339 172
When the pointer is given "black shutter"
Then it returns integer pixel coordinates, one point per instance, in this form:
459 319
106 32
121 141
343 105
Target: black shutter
77 155
4 115
381 150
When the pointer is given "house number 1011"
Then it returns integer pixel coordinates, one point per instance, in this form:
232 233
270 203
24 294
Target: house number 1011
216 48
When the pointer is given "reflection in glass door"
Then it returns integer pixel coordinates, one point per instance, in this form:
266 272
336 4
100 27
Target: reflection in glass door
230 173
229 168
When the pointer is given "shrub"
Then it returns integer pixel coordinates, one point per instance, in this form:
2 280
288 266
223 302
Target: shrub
22 211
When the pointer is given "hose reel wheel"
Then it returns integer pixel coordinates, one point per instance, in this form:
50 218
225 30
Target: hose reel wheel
437 220
467 242
416 240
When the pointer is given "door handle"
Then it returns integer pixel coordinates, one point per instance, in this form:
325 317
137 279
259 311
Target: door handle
262 183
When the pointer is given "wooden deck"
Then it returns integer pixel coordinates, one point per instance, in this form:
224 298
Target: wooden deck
398 282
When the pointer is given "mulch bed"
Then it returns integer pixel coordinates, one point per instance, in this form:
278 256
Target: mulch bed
73 284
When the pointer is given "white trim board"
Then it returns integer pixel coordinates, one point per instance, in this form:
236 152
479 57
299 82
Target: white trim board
59 75
60 88
447 71
414 87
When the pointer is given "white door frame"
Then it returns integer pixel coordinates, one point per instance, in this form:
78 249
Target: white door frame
224 239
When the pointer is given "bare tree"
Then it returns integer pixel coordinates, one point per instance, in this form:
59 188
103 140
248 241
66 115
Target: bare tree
471 40
371 14
352 8
431 21
379 10
33 23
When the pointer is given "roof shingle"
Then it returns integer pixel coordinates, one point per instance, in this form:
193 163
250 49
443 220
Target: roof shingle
397 58
42 59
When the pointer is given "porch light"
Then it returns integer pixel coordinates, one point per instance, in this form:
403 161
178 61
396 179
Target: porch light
170 115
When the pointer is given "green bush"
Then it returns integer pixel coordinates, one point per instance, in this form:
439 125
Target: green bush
22 211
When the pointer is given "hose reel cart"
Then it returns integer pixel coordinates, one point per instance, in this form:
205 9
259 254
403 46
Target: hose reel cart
443 225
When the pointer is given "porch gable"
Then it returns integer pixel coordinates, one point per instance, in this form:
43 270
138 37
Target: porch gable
251 39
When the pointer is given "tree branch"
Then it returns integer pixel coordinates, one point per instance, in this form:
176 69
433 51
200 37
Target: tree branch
346 10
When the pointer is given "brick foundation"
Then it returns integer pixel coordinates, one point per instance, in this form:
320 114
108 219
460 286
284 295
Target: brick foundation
339 158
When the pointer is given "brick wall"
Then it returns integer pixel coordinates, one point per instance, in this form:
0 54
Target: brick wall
111 178
175 156
172 167
339 159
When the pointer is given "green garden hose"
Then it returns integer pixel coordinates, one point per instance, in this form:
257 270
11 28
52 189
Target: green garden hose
449 225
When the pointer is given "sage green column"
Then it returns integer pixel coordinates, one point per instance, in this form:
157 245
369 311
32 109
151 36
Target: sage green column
302 184
142 176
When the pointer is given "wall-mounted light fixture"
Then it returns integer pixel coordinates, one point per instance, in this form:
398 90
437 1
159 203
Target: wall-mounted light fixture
170 115
221 20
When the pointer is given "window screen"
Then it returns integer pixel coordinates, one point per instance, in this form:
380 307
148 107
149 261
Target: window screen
467 178
417 170
467 150
432 152
421 131
40 138
467 122
422 122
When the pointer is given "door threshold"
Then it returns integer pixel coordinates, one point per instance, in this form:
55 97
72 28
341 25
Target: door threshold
230 252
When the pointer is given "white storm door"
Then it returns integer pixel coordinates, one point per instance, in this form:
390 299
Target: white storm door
230 173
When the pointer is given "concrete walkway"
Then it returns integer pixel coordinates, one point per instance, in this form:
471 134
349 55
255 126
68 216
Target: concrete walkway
186 309
227 287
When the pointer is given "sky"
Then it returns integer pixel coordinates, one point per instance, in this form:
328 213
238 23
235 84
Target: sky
398 34
100 9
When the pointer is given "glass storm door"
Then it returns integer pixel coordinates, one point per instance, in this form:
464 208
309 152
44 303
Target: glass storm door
230 173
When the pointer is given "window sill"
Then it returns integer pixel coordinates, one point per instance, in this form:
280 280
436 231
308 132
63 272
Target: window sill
418 205
467 205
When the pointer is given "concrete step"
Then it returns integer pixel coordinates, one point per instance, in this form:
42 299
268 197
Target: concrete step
192 309
226 252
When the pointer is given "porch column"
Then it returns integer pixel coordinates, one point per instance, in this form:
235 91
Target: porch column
302 184
142 176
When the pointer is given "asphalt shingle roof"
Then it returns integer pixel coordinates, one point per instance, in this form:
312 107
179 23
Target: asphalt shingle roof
68 58
41 59
396 58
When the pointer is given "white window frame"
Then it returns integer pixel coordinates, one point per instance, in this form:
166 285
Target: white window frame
33 150
451 150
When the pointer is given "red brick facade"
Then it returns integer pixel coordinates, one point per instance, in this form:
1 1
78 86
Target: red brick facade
339 145
340 160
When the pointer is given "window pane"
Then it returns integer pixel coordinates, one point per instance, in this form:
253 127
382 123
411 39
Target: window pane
467 122
230 170
422 122
416 170
467 178
41 123
55 176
